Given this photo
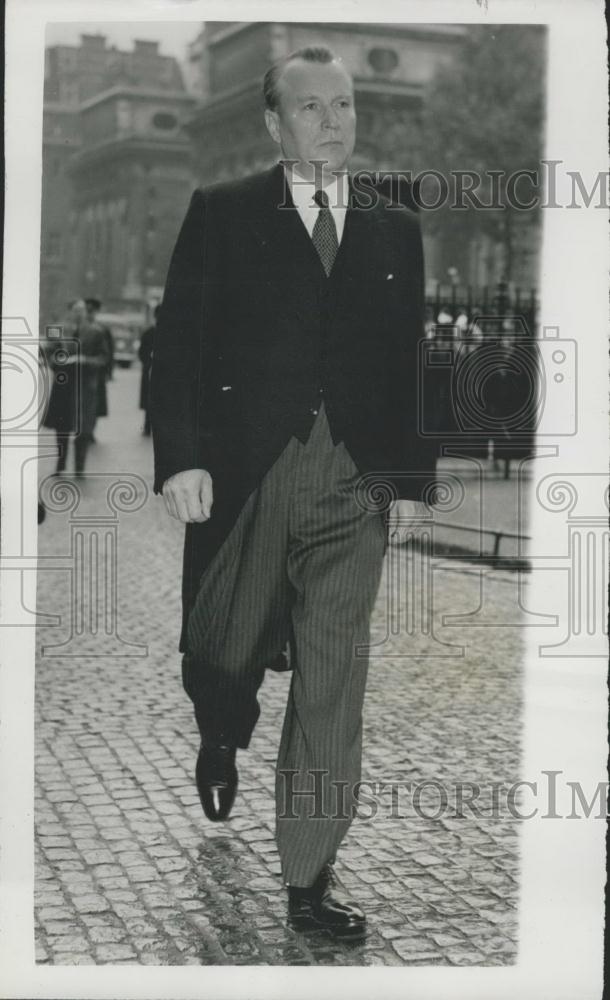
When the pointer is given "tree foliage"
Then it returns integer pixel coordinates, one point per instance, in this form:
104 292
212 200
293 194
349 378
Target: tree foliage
485 112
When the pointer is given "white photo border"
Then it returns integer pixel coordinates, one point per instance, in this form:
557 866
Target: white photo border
563 862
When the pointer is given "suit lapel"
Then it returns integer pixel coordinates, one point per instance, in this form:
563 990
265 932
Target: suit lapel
291 263
293 269
364 247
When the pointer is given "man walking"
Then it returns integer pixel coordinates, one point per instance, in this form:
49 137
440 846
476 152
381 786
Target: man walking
145 354
72 409
284 381
104 374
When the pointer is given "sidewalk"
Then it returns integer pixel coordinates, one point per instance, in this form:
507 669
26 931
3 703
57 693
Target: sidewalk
490 504
130 871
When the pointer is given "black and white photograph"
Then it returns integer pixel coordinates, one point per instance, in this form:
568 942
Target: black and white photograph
305 500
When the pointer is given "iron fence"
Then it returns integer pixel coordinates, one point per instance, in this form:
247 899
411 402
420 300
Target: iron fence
501 300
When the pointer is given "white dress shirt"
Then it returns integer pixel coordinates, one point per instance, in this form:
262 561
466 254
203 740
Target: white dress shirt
303 192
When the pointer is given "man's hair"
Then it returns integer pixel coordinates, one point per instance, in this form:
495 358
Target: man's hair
310 53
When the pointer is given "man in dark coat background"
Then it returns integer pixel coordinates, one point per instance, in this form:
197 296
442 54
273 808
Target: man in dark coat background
73 405
105 374
284 405
145 353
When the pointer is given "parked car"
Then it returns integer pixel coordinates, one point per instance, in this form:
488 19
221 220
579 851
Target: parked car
126 329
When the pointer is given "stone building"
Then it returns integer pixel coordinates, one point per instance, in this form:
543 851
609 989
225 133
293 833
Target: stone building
131 180
61 139
128 134
116 173
390 64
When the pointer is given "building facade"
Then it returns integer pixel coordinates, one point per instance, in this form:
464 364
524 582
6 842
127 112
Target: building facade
61 139
127 135
131 182
391 66
117 173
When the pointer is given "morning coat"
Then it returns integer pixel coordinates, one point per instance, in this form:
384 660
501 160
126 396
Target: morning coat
251 334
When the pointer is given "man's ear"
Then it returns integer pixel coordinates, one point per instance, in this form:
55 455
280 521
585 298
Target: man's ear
273 125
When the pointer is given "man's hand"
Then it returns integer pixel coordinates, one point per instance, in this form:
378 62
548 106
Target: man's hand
408 518
188 495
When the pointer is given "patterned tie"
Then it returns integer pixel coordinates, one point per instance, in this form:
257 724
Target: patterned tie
324 234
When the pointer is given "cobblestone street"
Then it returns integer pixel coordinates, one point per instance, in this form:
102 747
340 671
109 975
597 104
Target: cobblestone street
128 868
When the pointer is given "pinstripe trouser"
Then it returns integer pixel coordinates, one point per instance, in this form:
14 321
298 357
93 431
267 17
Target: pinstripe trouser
302 564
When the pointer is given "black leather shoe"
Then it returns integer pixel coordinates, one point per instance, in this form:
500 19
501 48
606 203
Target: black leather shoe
324 905
279 664
216 776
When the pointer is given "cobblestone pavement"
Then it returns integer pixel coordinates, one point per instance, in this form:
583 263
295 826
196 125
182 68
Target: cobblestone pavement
490 502
129 870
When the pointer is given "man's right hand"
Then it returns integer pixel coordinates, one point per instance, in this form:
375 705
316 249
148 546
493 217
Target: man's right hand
188 495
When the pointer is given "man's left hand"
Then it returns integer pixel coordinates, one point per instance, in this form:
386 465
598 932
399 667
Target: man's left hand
408 518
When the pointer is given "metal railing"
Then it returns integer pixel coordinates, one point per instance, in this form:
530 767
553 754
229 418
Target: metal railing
495 300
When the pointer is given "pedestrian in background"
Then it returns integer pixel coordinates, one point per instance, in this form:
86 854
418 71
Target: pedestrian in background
461 324
145 354
105 374
510 391
440 414
74 395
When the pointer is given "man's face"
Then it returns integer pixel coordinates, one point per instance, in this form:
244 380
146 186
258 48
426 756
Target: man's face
316 119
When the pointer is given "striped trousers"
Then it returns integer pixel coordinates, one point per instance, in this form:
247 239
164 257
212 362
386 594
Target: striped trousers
302 565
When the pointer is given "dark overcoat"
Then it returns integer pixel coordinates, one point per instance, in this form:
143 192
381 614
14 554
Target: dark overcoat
73 403
105 373
510 390
145 351
251 332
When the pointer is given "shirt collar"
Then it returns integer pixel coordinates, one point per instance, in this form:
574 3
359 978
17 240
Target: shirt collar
303 191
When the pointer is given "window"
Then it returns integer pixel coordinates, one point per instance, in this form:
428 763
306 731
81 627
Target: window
164 121
383 60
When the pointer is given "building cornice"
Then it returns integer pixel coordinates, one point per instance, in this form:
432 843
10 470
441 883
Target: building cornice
363 86
63 109
229 32
429 32
137 93
62 142
110 149
439 32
